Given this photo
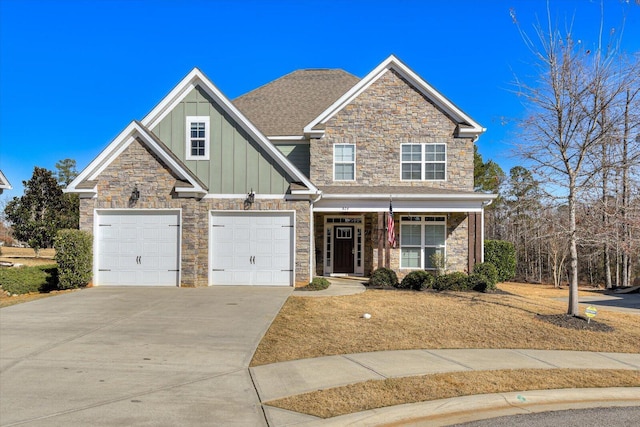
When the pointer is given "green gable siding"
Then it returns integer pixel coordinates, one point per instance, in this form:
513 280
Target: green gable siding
297 154
237 162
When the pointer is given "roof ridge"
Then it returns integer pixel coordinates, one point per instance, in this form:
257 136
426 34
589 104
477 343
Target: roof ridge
289 74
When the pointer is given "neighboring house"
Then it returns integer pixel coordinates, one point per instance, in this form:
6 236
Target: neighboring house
291 180
4 183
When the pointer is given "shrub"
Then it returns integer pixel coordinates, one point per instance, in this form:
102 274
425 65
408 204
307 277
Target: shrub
318 284
75 258
488 270
481 283
455 281
23 280
383 277
416 280
503 256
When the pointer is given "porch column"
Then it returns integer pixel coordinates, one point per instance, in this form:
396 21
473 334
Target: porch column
475 245
380 239
471 219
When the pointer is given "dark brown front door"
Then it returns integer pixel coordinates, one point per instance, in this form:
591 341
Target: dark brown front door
343 249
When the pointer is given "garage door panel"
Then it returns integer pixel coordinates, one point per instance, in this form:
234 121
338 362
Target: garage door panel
138 248
257 251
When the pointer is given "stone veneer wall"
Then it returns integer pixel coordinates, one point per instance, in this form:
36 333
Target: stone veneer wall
137 165
388 113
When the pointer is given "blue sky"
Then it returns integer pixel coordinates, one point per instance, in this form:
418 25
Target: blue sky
74 73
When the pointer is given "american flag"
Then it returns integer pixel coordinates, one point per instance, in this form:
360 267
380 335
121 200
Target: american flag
391 232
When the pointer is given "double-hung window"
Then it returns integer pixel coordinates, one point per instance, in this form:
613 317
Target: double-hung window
344 162
421 237
197 138
426 162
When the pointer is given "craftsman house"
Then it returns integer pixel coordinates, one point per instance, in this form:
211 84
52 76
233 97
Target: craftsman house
291 180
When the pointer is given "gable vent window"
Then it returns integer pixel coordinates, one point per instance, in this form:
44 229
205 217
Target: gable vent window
344 162
197 138
424 162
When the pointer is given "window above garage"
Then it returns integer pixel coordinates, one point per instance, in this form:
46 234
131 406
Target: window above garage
198 135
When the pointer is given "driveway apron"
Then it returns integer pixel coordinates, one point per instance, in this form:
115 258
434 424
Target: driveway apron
135 356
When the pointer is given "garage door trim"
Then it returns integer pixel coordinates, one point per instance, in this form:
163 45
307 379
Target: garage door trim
141 211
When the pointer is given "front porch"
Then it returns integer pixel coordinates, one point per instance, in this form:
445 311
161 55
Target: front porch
356 243
351 236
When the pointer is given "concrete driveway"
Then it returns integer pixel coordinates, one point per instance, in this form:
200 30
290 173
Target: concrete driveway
135 356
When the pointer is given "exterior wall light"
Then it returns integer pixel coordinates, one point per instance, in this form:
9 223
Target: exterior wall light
135 194
251 198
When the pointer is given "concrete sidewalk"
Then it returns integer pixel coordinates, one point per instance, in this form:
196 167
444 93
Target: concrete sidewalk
284 379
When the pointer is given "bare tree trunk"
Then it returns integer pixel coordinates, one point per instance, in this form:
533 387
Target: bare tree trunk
573 250
626 232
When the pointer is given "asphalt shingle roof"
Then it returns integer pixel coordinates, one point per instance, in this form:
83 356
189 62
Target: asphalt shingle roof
286 105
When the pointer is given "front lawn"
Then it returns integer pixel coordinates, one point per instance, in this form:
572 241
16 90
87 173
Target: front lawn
313 327
403 320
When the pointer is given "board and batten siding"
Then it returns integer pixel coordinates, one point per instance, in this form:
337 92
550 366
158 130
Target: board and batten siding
236 162
298 154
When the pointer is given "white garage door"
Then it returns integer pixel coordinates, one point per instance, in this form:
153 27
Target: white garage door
251 248
138 247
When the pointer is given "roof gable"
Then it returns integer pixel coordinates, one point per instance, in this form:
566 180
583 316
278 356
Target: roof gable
197 79
85 182
284 106
466 125
4 182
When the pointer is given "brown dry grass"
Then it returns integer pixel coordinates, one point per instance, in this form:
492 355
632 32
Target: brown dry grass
377 394
6 300
402 320
27 256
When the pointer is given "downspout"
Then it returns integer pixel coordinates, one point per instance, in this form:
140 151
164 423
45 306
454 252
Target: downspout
312 249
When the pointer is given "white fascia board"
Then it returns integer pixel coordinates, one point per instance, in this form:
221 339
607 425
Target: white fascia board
197 78
244 196
117 146
442 197
281 139
399 206
394 63
4 182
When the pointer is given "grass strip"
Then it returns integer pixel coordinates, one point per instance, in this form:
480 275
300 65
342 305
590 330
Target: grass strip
395 391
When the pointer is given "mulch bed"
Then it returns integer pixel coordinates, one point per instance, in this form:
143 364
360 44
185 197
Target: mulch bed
574 322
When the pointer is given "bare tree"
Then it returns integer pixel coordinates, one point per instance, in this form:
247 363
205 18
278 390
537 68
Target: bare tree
573 88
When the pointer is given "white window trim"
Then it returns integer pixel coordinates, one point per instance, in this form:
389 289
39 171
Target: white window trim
423 161
423 245
354 162
207 137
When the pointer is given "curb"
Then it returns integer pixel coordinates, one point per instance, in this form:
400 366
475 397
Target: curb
472 408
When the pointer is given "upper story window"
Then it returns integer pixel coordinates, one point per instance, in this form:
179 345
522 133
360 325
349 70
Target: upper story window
424 162
197 138
344 162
